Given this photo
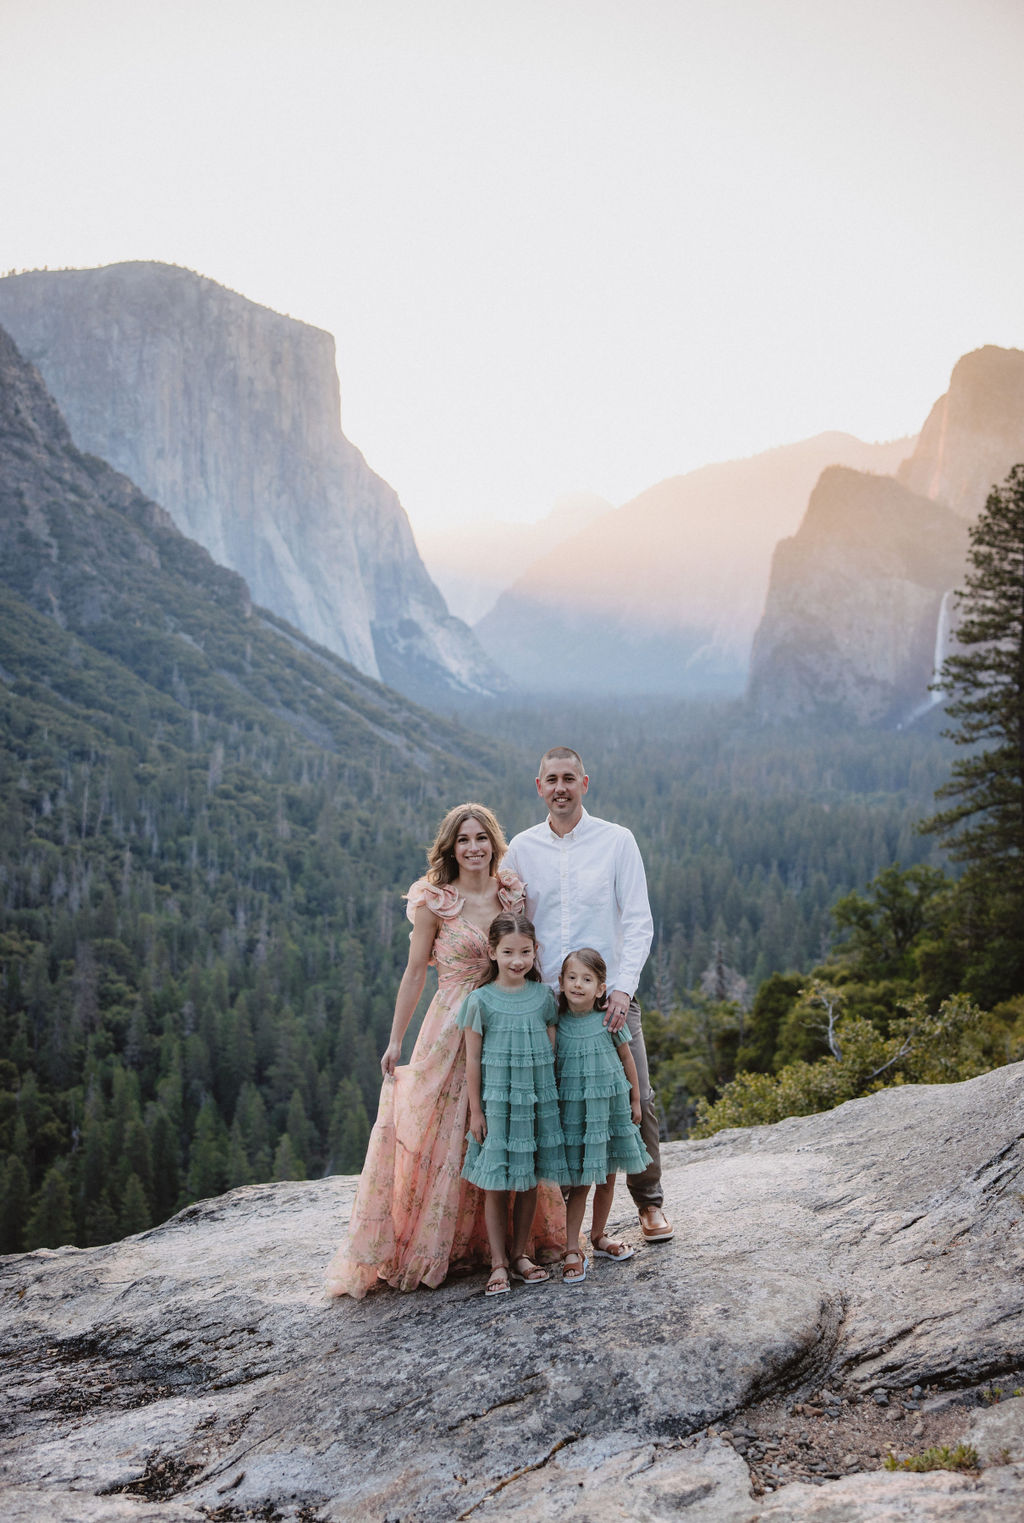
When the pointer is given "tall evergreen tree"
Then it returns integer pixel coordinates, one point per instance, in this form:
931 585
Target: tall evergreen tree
134 1215
208 1156
164 1160
51 1223
984 828
349 1131
287 1163
14 1204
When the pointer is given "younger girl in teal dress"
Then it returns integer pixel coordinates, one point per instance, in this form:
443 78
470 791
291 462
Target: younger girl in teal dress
599 1102
515 1139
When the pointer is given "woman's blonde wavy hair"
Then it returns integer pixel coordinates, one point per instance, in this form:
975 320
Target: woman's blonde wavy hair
442 867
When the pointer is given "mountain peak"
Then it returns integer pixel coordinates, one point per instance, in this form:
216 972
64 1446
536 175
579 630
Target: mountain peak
974 433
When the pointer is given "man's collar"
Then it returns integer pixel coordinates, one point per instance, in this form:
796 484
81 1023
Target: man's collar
579 826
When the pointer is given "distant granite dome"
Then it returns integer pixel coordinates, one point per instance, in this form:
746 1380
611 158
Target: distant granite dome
860 610
228 415
854 602
974 434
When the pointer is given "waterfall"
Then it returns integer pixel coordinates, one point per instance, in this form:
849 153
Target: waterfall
943 630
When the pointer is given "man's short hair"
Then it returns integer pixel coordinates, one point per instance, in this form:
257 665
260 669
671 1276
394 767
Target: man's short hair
561 751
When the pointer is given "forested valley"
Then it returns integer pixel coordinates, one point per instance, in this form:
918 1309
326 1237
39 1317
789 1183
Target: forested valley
203 928
208 824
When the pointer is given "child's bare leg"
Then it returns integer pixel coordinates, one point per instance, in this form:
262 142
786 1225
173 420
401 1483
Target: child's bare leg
575 1265
575 1210
524 1209
496 1222
603 1195
607 1247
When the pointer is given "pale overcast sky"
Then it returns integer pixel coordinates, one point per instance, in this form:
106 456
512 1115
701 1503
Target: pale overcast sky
561 246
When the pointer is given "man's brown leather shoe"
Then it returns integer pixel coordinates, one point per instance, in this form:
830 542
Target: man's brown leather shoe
655 1225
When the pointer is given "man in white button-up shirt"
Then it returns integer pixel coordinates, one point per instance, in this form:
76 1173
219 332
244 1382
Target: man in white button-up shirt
586 887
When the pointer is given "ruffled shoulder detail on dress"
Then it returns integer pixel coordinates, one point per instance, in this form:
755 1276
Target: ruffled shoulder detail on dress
441 899
511 890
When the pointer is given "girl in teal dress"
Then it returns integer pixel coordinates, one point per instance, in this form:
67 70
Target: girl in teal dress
599 1103
515 1139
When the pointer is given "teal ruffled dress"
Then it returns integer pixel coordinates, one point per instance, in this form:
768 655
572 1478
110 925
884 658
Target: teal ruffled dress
600 1135
524 1138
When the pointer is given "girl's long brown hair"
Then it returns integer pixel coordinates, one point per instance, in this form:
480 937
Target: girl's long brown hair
511 923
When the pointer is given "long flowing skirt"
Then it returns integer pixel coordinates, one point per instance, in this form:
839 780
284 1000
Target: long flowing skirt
414 1216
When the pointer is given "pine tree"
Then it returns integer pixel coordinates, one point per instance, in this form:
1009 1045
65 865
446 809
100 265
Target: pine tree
134 1215
164 1162
299 1130
985 678
350 1130
287 1164
137 1158
100 1222
14 1202
251 1113
208 1156
239 1171
51 1224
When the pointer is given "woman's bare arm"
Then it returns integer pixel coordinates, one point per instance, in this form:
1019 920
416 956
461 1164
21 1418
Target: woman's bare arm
421 944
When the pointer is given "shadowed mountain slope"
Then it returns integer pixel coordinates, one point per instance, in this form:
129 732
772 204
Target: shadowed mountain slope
207 822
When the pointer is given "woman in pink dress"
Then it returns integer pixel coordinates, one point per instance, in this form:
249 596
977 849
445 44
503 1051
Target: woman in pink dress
414 1215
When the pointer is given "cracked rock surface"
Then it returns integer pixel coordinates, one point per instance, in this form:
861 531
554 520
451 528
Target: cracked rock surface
197 1371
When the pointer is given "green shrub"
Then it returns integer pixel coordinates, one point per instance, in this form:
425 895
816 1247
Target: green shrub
963 1457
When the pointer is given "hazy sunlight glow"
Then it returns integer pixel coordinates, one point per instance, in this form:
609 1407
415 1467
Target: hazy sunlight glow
561 245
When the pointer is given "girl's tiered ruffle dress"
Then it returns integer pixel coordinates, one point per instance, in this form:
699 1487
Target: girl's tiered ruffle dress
414 1215
523 1144
600 1135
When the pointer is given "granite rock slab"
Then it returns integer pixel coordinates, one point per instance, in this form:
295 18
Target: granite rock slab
198 1371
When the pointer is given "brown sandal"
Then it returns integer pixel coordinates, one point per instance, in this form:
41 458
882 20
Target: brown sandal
533 1274
606 1247
581 1274
496 1287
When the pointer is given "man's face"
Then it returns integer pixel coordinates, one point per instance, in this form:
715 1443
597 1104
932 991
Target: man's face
561 785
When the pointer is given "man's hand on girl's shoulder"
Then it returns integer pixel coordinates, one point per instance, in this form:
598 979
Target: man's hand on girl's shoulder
618 1005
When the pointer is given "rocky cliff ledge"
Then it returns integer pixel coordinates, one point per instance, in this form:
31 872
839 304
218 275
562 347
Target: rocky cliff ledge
228 415
839 1285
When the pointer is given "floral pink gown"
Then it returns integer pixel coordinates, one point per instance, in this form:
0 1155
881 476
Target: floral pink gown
414 1215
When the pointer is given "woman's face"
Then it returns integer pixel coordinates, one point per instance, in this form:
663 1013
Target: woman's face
472 847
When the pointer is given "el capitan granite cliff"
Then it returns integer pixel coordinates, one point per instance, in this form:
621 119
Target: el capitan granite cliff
228 415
